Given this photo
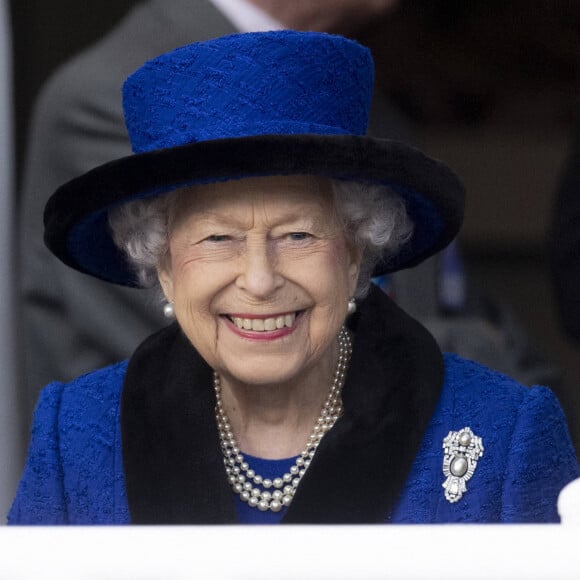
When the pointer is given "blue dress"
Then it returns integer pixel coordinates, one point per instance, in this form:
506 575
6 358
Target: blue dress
137 443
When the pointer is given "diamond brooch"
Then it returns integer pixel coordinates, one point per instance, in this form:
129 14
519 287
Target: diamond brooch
462 450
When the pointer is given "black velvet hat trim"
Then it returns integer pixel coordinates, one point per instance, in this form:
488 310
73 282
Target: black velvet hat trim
77 232
173 464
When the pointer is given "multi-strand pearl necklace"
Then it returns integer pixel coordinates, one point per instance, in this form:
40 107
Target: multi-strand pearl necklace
273 494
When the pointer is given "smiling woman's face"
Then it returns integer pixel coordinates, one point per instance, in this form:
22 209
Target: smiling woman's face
260 274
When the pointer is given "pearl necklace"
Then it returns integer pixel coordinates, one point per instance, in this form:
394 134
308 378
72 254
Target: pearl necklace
274 494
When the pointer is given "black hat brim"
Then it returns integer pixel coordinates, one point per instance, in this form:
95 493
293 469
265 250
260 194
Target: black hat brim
76 216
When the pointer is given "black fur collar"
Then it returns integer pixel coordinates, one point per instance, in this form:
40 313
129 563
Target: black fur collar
173 464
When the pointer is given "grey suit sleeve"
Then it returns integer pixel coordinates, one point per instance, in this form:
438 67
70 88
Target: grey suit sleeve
72 323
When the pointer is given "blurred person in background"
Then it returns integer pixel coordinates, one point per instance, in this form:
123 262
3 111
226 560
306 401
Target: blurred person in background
564 241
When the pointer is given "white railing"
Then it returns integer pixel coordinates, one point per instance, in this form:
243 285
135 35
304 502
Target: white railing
448 552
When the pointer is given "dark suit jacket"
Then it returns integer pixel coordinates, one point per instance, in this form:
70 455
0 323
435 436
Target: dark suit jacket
564 241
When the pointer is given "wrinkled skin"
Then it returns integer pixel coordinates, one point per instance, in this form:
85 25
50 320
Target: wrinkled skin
255 248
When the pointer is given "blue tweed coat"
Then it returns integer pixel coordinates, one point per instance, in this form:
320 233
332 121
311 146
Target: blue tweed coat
137 443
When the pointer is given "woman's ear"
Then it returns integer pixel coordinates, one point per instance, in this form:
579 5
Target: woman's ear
355 255
165 277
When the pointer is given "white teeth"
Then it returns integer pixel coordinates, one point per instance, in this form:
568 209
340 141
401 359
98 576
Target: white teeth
258 324
265 324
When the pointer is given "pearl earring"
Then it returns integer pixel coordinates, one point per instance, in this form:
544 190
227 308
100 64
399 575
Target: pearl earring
168 310
351 308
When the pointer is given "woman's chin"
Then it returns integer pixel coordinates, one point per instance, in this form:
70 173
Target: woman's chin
265 370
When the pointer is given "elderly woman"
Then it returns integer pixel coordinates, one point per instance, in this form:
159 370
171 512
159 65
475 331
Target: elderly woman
288 389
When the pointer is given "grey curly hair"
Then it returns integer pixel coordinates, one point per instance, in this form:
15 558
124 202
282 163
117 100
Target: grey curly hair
374 219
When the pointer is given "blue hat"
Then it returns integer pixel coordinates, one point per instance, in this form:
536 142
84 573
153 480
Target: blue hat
273 103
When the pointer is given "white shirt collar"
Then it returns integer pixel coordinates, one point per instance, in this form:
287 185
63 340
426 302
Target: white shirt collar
247 17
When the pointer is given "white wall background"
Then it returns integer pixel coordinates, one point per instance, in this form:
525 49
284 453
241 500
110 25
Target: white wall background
10 428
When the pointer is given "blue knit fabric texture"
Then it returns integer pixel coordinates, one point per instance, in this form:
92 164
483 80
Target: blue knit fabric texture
282 82
74 472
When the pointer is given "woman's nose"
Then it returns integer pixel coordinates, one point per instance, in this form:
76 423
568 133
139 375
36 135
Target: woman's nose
259 275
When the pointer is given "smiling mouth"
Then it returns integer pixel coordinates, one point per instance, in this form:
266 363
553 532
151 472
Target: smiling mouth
265 324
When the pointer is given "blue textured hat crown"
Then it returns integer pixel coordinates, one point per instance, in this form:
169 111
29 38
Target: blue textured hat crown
281 82
270 103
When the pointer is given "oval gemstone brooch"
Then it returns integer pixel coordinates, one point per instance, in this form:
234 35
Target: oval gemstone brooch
462 451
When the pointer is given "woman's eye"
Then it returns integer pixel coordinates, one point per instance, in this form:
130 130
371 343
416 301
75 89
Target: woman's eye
217 238
299 236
